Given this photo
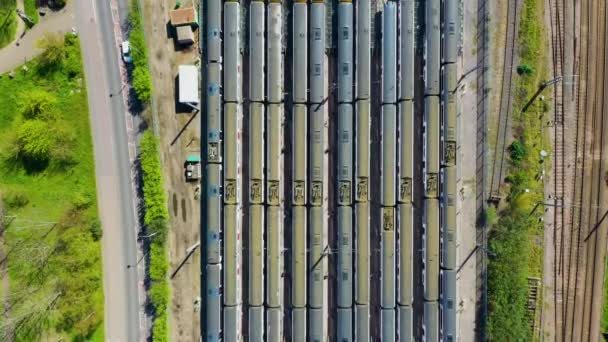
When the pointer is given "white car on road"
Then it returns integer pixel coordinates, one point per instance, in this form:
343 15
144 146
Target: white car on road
126 52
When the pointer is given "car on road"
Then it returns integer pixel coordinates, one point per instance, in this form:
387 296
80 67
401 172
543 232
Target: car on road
126 52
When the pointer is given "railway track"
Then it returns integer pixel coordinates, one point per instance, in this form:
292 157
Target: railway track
503 126
583 245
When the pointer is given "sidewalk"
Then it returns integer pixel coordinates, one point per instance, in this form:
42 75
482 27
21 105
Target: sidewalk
24 47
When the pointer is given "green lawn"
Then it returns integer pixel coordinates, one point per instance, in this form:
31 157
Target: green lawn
31 10
55 267
8 21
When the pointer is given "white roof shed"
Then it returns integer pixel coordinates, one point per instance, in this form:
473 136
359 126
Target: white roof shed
188 84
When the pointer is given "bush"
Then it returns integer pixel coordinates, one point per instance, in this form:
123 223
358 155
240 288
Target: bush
95 229
52 44
158 262
525 69
35 140
160 332
37 104
142 83
159 296
517 152
15 200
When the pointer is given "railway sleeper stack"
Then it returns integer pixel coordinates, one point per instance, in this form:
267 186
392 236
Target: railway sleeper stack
388 172
406 170
449 169
212 180
431 170
316 166
344 171
362 171
274 167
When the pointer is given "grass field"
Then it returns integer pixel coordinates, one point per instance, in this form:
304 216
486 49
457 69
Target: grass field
8 21
55 267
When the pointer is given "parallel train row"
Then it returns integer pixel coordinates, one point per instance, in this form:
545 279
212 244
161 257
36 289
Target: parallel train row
362 171
212 212
431 169
449 175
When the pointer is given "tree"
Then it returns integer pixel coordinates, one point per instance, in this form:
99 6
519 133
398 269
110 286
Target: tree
525 69
35 140
52 44
518 151
142 83
37 104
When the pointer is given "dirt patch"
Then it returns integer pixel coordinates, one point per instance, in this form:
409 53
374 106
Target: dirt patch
178 128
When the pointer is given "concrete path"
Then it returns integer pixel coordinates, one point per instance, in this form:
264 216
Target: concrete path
24 47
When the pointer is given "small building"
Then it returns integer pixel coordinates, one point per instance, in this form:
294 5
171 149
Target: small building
184 17
185 36
188 85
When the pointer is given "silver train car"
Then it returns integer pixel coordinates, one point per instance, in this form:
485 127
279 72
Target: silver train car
214 31
450 31
315 325
274 329
298 325
388 325
256 324
345 325
362 323
231 162
213 224
406 318
448 305
317 272
362 248
214 113
213 303
274 267
432 47
362 147
300 56
256 153
449 219
389 53
231 259
432 146
275 53
389 154
406 47
345 154
298 257
345 247
274 144
257 51
406 254
363 46
449 115
256 255
431 322
406 151
317 52
345 51
431 250
232 52
232 319
316 152
388 264
299 154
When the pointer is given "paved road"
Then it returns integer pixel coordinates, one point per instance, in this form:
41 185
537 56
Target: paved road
112 165
61 22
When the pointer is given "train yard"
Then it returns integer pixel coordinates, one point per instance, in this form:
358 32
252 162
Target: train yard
308 212
579 200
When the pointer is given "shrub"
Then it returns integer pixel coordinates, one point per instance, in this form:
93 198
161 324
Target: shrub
52 44
158 262
160 332
37 104
15 200
35 140
159 296
142 83
517 152
525 69
95 229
